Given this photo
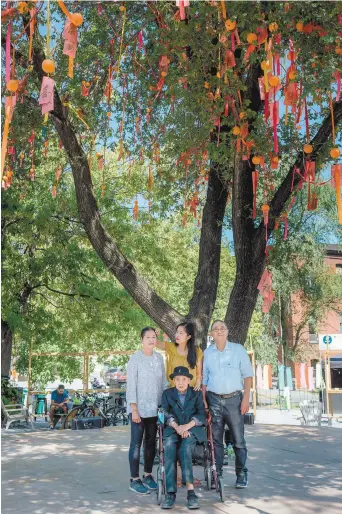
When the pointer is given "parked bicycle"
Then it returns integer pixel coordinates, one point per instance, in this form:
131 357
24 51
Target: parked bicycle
98 404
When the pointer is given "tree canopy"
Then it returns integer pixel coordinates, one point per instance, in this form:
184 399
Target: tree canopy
176 114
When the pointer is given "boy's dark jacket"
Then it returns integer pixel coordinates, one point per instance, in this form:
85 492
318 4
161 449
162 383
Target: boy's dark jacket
193 407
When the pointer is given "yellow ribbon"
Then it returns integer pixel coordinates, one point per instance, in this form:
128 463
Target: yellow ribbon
67 104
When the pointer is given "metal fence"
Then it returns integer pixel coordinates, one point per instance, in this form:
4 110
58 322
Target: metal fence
276 398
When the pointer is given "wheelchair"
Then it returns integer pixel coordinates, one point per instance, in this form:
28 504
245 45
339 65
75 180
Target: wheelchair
203 454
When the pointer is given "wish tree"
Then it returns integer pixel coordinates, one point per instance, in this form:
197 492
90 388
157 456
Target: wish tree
230 110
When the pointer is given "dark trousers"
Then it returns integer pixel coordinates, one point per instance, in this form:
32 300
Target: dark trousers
56 409
174 445
228 411
147 426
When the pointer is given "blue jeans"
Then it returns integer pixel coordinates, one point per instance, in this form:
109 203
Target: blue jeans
227 411
149 427
175 446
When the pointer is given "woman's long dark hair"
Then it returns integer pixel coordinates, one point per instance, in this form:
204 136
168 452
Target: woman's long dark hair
190 330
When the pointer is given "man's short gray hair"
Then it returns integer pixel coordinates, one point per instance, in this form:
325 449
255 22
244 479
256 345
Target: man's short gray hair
218 321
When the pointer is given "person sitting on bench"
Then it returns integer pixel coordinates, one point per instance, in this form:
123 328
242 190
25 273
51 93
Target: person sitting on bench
59 400
184 419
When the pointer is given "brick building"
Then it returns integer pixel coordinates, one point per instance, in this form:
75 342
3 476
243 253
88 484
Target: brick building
300 333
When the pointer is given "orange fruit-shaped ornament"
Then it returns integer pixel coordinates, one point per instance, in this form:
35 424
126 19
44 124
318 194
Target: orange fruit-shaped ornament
256 159
273 27
335 153
76 19
274 81
230 24
48 66
12 85
251 37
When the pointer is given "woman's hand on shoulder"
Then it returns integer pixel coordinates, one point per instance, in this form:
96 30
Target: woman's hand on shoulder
198 385
160 344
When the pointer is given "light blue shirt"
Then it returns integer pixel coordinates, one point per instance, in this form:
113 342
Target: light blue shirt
224 372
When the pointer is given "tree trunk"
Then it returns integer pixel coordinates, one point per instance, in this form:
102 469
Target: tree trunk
6 348
250 262
202 303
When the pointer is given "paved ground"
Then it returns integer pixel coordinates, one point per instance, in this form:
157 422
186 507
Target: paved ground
292 470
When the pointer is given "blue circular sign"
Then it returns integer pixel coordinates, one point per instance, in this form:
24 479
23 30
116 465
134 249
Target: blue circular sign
327 339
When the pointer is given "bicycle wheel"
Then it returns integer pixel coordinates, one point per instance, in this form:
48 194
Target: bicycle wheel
116 417
78 412
207 476
159 490
72 414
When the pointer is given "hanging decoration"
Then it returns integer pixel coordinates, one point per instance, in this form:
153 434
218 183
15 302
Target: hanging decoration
336 182
56 181
265 289
70 35
182 4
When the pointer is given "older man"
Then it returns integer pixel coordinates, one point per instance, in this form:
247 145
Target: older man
227 380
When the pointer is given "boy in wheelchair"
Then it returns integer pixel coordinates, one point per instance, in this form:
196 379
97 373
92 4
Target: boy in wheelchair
184 427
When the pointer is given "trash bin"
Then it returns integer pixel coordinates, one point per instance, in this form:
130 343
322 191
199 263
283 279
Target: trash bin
40 404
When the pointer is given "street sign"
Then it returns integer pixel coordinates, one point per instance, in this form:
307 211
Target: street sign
330 342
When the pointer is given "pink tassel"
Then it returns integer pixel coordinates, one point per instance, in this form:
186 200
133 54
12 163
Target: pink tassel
229 59
337 76
233 42
182 4
275 126
262 88
8 51
140 40
286 228
266 106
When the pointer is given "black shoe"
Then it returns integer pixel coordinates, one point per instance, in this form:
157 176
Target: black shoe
169 501
241 481
192 500
138 487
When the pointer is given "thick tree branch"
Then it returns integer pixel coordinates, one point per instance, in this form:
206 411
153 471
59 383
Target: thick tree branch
202 303
160 311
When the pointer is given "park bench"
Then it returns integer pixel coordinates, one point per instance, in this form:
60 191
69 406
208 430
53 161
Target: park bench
311 411
15 412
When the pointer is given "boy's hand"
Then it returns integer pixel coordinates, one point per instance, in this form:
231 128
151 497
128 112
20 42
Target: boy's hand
181 429
186 434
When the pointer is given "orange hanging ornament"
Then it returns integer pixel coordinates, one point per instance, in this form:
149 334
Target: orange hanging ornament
135 210
336 182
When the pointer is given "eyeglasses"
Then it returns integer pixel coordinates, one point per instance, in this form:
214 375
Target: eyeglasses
222 329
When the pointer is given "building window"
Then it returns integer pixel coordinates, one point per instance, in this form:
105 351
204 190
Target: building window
339 269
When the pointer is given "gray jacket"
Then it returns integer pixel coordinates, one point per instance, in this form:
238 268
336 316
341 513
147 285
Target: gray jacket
146 381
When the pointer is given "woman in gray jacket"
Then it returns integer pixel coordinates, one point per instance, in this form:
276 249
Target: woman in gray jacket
145 383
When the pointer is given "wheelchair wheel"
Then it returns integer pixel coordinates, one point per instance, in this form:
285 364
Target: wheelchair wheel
207 476
221 489
159 491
